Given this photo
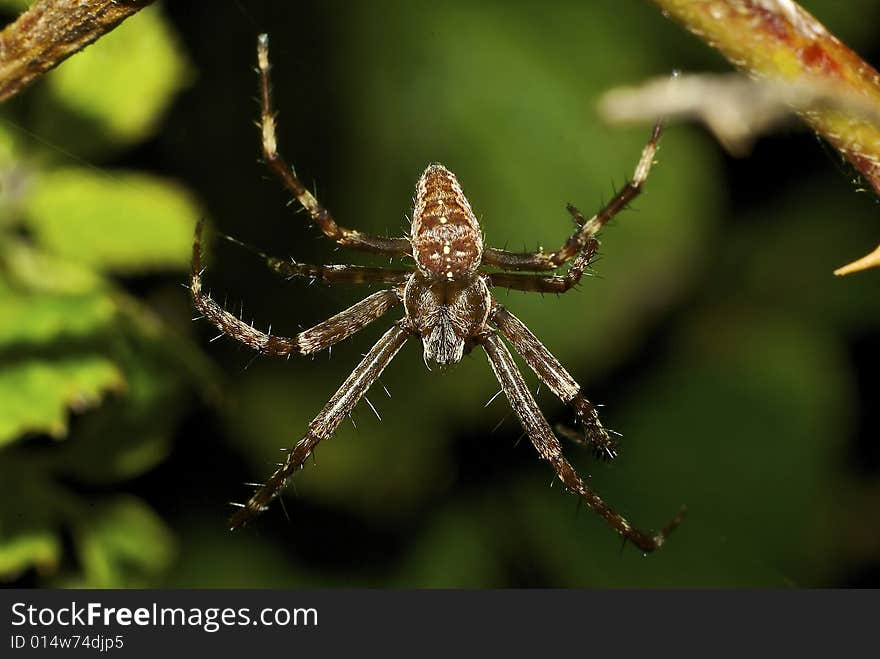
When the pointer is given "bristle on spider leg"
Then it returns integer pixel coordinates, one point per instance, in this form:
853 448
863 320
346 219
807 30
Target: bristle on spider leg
498 425
372 407
498 393
283 507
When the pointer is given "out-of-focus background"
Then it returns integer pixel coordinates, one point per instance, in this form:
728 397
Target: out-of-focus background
741 373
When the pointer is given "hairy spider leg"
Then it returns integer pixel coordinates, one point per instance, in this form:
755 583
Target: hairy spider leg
340 273
279 167
553 374
549 448
329 274
587 230
328 419
321 336
535 283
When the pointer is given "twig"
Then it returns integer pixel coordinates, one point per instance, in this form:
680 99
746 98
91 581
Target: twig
872 260
50 31
737 109
779 39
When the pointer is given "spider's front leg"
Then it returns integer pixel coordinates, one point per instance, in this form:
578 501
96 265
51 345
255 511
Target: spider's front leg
549 449
581 241
534 283
310 341
329 274
554 375
279 167
328 419
339 273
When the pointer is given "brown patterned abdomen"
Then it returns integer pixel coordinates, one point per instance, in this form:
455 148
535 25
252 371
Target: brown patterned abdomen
446 237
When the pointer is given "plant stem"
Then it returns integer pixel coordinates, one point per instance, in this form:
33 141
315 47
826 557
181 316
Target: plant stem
50 31
779 39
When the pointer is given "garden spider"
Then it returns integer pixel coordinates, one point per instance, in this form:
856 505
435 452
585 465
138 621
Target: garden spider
447 302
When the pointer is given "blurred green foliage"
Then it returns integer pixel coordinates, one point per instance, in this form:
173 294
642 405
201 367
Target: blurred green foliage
71 339
717 341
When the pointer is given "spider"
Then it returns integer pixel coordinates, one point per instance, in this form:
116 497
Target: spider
447 302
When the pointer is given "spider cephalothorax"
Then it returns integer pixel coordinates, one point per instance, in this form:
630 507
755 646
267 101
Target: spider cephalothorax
447 303
447 314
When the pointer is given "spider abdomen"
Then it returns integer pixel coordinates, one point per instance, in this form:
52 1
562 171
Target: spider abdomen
446 237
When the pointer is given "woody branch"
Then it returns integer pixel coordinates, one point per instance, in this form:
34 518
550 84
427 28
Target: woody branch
50 31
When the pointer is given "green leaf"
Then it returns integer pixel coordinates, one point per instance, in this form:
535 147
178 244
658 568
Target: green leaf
126 79
128 223
36 320
35 395
35 270
14 172
132 433
38 548
122 543
31 510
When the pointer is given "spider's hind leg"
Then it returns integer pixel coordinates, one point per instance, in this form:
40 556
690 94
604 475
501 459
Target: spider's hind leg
324 425
553 374
602 451
549 449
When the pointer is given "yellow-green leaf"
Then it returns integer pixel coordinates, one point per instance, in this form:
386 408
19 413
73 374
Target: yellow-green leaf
123 543
126 222
40 549
98 82
36 270
35 395
36 320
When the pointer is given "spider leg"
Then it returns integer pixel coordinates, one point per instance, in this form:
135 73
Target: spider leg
324 334
585 236
340 274
328 419
535 283
279 167
553 374
330 274
549 449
